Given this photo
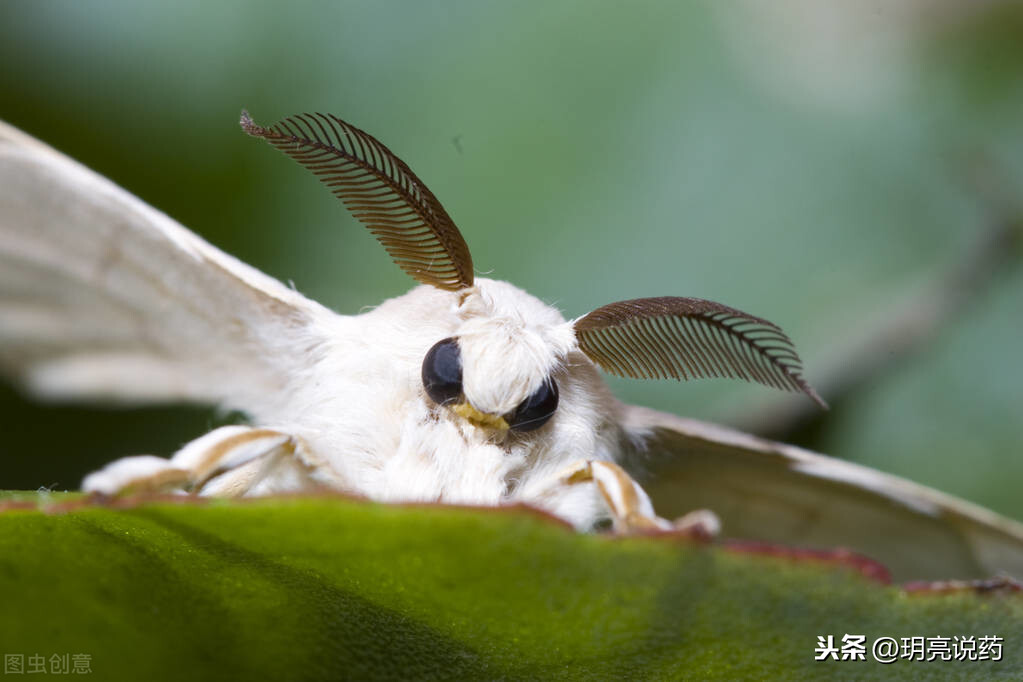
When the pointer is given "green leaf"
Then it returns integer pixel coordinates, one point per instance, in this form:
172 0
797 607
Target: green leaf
329 588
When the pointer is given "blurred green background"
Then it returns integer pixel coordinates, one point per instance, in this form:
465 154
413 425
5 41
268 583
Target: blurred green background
806 162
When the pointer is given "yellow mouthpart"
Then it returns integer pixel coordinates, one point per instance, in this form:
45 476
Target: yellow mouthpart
477 418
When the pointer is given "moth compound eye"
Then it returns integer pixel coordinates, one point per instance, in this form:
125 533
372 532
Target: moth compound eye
442 372
536 409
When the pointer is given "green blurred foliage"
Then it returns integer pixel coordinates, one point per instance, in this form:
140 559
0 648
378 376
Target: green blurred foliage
590 152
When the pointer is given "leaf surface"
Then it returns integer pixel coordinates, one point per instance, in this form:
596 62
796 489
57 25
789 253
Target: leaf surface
329 588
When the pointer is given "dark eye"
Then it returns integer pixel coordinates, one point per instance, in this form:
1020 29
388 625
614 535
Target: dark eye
536 409
442 372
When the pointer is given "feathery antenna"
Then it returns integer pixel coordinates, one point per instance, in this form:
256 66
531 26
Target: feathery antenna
683 338
380 190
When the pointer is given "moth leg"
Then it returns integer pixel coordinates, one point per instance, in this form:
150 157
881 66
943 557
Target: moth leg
228 461
699 523
141 473
631 508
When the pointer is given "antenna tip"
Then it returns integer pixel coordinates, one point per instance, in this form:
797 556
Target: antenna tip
248 125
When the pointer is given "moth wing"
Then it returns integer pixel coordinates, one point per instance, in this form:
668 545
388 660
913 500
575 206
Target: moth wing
104 297
774 493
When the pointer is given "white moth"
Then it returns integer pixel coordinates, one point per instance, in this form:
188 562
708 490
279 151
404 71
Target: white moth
465 390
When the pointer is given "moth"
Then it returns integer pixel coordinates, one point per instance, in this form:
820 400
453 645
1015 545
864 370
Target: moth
465 390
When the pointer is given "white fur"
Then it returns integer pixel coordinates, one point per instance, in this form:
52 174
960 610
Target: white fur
361 403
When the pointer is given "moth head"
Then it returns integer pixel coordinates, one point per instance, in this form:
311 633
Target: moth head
501 367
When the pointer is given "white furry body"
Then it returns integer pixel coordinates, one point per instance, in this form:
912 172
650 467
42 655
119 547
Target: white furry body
361 408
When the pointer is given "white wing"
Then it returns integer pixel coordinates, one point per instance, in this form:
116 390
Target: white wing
778 493
102 296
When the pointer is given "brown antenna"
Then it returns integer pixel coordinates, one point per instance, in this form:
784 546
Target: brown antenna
380 190
688 338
